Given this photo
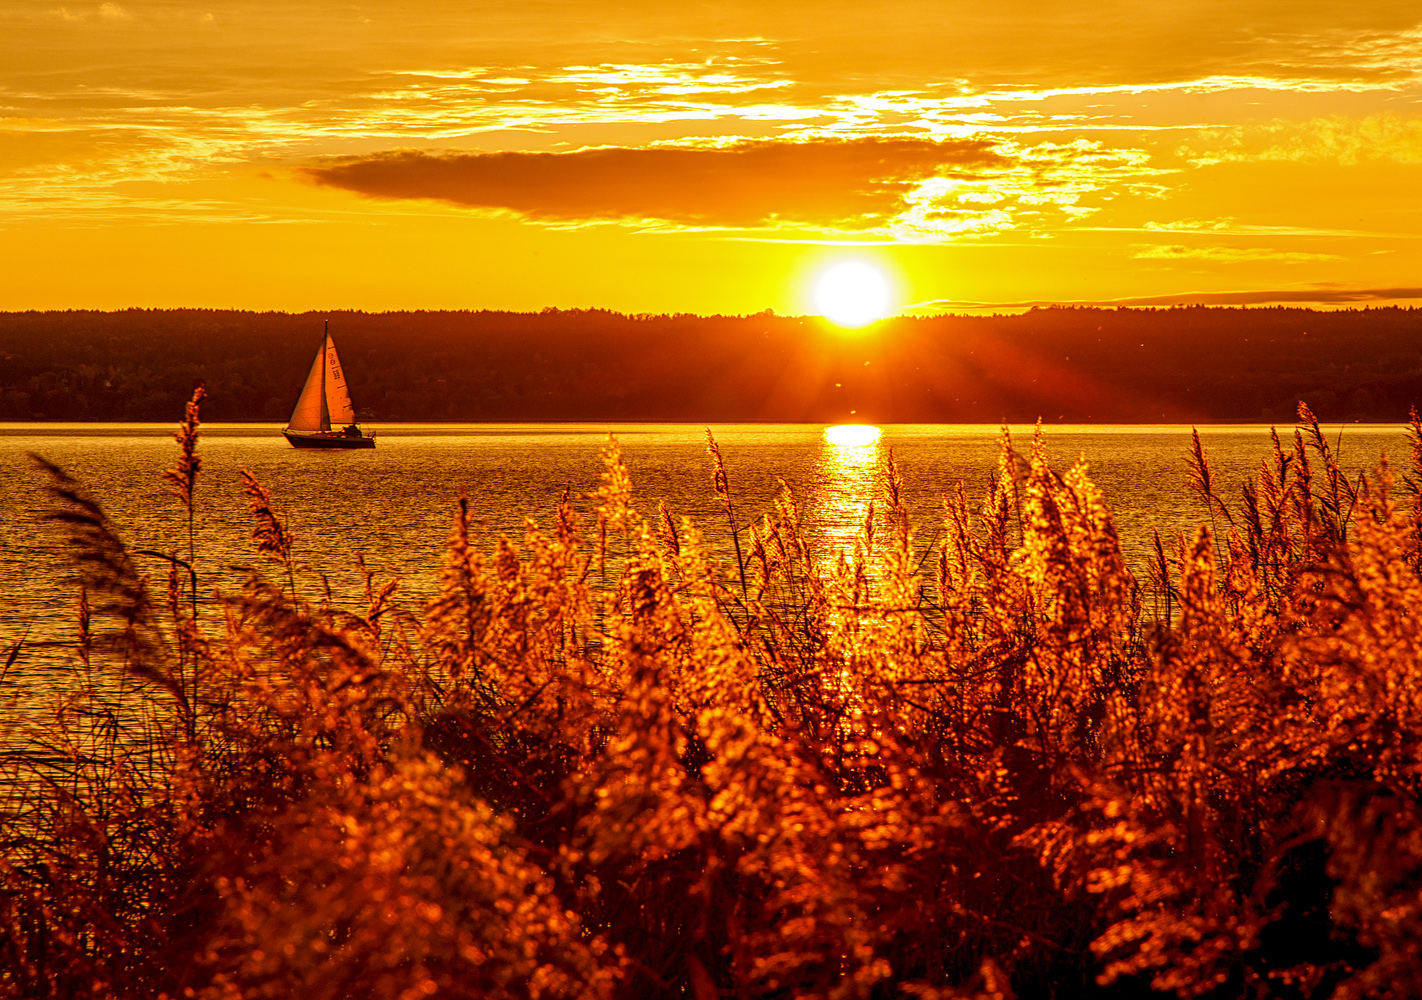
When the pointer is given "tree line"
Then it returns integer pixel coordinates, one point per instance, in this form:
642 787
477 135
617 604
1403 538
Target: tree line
1059 364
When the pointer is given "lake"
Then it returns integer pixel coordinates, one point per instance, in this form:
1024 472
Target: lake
394 503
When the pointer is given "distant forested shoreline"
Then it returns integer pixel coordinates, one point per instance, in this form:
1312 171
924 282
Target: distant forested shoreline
1070 364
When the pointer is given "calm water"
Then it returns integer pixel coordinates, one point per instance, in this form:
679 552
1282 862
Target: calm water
393 504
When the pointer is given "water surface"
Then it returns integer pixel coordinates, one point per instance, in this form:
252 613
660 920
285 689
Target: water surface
394 504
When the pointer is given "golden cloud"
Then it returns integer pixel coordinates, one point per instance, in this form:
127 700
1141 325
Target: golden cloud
1336 139
1228 255
852 182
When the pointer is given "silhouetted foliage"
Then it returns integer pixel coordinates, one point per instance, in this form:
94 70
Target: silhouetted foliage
811 775
1101 365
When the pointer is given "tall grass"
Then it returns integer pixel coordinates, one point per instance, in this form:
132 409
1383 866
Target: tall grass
998 768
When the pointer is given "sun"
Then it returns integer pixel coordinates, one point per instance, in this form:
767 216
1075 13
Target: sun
852 294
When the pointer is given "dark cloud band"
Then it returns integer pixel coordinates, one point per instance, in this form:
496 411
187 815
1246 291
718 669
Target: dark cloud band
1315 296
826 182
1330 296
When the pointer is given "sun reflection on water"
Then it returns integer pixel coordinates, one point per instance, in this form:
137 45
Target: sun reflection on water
852 436
849 465
849 468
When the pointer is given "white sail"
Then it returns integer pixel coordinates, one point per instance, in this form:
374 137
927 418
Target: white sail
338 399
311 413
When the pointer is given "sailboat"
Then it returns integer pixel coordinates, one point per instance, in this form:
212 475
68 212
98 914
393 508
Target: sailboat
323 417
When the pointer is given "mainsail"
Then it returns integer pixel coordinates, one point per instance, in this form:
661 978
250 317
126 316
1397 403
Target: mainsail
324 400
338 399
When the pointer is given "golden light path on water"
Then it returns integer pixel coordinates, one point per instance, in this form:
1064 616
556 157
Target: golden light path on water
851 466
852 457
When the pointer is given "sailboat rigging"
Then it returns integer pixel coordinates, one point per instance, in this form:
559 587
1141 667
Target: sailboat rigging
323 417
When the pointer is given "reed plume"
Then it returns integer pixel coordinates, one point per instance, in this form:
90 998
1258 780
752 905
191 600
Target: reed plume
268 530
112 586
721 486
182 478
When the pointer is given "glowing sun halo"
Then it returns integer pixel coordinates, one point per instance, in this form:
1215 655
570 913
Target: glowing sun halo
852 294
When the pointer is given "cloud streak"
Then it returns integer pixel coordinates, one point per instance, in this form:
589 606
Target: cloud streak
1228 255
1316 296
1291 296
850 183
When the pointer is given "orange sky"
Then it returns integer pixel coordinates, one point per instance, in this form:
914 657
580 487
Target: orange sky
655 157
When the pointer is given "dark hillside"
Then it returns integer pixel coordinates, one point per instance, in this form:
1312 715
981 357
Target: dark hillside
1073 364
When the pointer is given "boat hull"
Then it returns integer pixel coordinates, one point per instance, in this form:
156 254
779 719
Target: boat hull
332 439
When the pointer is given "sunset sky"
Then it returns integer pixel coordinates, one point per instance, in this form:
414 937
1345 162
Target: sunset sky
707 157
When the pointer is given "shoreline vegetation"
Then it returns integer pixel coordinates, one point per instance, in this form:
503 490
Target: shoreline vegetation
598 764
1062 364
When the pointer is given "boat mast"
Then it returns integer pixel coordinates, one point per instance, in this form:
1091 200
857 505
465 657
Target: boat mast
325 410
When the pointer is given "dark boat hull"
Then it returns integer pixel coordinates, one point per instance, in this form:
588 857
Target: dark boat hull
333 439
